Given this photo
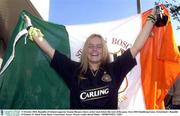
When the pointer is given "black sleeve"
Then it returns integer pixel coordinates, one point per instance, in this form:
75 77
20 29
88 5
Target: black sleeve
64 66
122 65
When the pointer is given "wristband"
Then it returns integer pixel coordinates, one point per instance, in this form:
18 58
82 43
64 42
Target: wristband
151 18
28 28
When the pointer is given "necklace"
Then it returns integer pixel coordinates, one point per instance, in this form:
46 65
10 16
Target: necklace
94 73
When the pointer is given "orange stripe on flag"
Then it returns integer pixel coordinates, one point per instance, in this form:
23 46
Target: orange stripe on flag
160 62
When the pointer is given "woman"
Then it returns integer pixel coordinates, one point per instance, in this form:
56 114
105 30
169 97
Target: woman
94 81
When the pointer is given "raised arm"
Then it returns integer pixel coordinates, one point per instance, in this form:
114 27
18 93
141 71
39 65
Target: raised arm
38 38
142 37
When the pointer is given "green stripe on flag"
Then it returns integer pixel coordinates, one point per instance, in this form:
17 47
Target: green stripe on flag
29 81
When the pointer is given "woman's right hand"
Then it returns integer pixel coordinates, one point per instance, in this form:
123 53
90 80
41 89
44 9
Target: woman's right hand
36 36
32 31
28 21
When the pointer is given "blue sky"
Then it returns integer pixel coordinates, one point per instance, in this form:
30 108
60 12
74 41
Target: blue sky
90 11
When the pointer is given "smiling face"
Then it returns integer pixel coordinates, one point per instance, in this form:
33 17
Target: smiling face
95 50
94 53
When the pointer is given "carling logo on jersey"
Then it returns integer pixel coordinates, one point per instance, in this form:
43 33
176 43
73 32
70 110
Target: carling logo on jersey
92 94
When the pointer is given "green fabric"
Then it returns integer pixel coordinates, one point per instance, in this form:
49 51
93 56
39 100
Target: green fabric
29 81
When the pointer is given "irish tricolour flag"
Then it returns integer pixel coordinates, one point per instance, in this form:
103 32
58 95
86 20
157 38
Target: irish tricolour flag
28 81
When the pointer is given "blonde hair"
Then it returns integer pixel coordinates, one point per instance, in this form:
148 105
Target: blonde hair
84 64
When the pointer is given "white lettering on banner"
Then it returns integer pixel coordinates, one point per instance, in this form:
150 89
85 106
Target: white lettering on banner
92 94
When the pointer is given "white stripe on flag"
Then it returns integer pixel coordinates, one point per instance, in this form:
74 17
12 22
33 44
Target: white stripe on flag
120 34
1 60
132 98
18 36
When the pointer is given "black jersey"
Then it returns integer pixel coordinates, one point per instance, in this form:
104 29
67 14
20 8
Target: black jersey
93 90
